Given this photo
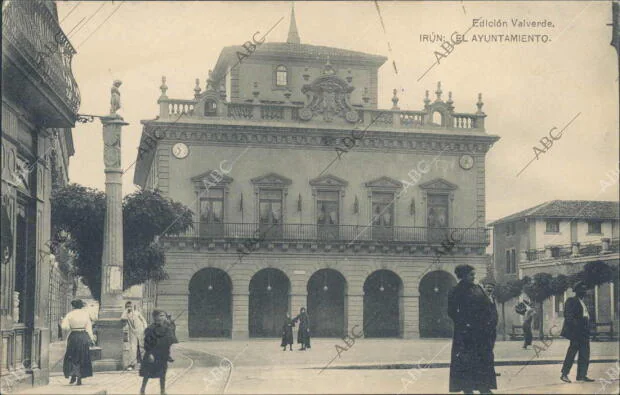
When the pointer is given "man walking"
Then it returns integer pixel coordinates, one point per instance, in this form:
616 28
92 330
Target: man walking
576 329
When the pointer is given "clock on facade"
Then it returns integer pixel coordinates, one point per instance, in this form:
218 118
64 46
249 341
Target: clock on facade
180 150
466 162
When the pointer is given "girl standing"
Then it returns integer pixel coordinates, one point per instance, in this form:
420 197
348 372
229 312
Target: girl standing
158 338
287 332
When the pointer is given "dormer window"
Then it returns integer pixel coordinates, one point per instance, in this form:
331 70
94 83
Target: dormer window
210 108
281 76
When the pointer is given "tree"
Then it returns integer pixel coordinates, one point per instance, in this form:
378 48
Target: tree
538 290
503 293
80 212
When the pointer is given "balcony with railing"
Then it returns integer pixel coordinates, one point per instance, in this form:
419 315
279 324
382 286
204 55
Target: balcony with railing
343 235
574 250
37 59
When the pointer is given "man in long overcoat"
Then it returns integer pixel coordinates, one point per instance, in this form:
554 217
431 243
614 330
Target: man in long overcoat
303 335
471 365
576 329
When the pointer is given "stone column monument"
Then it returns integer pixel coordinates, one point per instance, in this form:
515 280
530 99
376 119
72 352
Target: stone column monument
109 326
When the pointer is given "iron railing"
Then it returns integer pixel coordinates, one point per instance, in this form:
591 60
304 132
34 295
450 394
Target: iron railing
32 28
337 233
566 250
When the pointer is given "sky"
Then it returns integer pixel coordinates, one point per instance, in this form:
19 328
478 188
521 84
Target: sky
527 88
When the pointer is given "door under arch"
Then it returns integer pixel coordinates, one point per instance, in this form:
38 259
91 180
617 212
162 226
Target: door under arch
269 302
382 307
434 320
326 293
210 302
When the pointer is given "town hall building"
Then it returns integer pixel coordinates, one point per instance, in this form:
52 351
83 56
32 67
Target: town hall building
306 194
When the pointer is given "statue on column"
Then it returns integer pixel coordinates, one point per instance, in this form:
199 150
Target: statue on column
115 100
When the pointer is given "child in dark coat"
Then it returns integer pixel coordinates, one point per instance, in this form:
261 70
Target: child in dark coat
158 338
287 332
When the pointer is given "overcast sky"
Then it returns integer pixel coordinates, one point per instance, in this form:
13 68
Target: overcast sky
528 88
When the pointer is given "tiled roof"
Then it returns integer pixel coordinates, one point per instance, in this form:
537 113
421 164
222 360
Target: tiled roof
578 209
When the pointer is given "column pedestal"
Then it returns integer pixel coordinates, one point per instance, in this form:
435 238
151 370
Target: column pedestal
109 326
110 342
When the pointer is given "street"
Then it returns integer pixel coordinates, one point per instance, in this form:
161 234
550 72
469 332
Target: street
368 366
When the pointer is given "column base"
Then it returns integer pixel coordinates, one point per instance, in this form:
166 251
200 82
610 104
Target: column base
111 341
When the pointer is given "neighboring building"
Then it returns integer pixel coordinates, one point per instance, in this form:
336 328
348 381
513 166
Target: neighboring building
40 100
63 282
559 237
344 239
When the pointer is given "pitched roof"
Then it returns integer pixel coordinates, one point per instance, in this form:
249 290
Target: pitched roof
573 209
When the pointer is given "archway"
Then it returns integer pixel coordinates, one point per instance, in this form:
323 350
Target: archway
382 307
269 302
326 291
434 320
210 304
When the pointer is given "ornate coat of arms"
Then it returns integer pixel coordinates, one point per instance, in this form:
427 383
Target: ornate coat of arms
328 95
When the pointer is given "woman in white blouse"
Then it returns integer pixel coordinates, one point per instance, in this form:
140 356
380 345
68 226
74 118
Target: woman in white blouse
77 363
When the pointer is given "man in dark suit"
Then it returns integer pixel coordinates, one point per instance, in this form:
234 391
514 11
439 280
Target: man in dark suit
576 329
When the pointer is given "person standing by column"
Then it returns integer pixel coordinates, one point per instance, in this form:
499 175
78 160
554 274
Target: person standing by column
135 326
576 328
471 367
77 363
528 318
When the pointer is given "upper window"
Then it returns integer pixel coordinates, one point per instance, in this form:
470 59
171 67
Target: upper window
553 226
212 207
438 205
594 227
210 107
281 76
511 229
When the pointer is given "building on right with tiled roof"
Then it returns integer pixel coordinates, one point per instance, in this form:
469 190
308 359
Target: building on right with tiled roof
560 237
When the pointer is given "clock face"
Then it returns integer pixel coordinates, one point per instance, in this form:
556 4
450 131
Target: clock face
466 162
180 150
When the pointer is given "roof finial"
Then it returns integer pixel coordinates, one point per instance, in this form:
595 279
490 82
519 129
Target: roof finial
438 92
293 35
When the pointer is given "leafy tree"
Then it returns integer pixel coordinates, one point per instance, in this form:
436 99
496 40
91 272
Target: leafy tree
80 212
505 291
559 284
539 289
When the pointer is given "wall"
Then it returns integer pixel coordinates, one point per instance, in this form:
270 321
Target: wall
300 166
183 264
263 72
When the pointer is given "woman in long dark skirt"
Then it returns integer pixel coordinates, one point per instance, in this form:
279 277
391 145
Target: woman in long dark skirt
303 334
158 338
471 365
77 363
287 332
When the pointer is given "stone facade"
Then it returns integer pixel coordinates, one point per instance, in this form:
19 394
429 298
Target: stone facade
306 194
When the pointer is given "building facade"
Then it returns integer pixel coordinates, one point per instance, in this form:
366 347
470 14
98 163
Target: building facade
560 237
40 100
306 194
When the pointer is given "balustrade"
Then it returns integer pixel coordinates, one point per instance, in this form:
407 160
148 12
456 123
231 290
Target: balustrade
287 112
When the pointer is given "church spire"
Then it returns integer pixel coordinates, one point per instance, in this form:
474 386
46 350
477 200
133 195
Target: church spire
293 35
